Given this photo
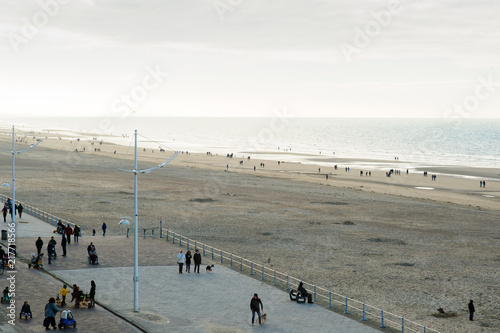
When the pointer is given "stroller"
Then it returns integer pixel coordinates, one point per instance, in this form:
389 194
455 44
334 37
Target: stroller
36 261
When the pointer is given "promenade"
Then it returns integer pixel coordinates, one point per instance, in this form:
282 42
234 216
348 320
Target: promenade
216 301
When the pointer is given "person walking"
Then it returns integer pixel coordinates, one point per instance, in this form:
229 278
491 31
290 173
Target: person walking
20 209
50 313
92 289
197 261
76 233
104 227
50 251
63 245
188 261
68 231
39 245
4 212
254 307
64 291
181 257
472 309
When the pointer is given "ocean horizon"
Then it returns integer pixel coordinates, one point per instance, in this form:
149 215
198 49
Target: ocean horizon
411 142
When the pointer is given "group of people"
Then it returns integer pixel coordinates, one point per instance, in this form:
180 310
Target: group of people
51 309
7 209
186 258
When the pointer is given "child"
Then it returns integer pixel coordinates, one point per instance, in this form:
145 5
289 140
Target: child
25 311
63 293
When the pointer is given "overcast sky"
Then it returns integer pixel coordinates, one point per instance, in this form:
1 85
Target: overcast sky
324 58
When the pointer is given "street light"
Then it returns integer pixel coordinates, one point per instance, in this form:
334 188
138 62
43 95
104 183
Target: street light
14 152
126 221
135 171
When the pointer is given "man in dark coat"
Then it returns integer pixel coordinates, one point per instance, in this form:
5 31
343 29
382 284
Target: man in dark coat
20 209
63 245
68 231
471 310
254 306
197 261
39 245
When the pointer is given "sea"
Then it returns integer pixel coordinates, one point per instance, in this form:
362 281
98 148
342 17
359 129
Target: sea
371 143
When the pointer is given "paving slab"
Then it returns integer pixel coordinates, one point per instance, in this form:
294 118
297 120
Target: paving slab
217 301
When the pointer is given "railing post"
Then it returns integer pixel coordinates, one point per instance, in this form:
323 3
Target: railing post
251 268
241 264
173 238
167 234
315 293
161 232
402 325
204 250
364 313
425 329
213 258
287 283
180 240
144 233
346 312
231 260
221 257
382 326
330 300
195 246
274 277
187 246
153 233
262 272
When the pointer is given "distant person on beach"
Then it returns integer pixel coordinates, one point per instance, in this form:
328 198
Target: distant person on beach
255 307
4 212
484 183
39 245
472 309
480 185
181 257
76 233
104 227
197 261
188 261
63 245
304 292
93 232
68 231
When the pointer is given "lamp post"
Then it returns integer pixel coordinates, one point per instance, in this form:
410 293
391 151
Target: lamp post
14 152
124 221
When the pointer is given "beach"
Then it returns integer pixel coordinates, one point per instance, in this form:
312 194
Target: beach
404 243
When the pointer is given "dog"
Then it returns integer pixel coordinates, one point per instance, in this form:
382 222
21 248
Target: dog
263 318
209 268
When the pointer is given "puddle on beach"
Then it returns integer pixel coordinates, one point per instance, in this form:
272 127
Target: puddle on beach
424 188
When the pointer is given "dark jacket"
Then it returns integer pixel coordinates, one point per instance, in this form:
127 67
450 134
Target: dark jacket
254 304
197 258
39 243
471 307
188 259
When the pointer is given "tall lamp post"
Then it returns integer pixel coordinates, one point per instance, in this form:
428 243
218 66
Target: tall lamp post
14 152
135 171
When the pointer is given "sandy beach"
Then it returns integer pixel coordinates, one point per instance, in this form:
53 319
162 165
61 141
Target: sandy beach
403 243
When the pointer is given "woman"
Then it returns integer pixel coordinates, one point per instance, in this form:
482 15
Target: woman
92 289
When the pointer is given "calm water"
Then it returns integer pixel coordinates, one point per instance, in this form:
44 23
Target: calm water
470 142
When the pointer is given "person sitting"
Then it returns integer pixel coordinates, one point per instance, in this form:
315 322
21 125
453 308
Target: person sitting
25 311
92 253
304 293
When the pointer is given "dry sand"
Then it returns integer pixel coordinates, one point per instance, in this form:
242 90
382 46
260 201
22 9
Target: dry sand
404 249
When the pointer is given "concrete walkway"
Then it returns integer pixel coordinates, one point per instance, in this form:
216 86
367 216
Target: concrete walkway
216 301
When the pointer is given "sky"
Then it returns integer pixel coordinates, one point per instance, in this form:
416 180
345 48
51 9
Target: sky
234 58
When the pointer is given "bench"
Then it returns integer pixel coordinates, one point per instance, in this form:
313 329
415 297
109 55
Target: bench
297 296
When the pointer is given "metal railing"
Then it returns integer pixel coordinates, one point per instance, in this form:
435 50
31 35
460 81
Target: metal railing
40 214
328 298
